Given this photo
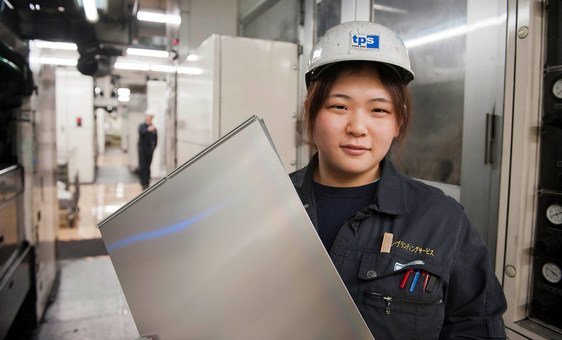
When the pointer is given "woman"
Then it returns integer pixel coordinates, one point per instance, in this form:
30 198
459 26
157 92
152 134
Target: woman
407 253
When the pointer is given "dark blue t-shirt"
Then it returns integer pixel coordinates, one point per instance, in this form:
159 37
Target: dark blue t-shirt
335 205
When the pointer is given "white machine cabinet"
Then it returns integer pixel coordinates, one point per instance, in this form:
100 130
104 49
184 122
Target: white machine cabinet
230 79
75 123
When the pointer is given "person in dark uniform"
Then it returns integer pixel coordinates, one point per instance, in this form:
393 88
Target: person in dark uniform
148 139
407 253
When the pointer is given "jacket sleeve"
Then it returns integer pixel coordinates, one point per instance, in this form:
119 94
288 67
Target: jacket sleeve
474 300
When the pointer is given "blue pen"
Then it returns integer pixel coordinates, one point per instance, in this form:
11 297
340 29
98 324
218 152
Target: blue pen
414 281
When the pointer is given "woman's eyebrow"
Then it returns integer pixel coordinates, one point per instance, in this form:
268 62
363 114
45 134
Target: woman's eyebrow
380 99
345 96
340 95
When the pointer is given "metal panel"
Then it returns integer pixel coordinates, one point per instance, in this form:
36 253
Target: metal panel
223 248
235 79
41 186
197 101
259 77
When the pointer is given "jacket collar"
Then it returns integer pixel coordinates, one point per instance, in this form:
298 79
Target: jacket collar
390 197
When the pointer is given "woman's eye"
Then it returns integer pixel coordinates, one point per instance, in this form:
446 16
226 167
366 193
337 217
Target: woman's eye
338 107
379 111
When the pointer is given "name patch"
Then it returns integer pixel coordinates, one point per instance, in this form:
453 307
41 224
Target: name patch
413 249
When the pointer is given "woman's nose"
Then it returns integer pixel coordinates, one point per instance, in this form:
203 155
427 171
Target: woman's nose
356 126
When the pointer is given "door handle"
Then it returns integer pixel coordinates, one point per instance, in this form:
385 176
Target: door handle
490 138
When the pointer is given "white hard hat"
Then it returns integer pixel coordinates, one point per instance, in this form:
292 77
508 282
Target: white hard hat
359 40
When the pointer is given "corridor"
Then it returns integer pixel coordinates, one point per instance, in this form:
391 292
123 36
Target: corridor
88 302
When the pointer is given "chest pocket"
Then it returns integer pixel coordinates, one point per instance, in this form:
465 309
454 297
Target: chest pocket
401 295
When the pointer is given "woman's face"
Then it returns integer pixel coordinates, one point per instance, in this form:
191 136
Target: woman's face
354 130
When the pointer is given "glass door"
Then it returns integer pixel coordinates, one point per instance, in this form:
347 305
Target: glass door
457 49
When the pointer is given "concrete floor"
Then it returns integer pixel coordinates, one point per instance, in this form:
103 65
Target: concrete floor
88 302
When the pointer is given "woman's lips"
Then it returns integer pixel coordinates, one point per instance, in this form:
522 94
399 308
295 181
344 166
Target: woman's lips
354 150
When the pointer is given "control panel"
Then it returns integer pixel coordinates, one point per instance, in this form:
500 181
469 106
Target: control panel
546 296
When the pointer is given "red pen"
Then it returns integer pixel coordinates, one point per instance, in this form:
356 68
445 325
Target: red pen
425 281
405 278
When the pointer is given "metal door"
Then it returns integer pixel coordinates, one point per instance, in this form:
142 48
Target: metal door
457 50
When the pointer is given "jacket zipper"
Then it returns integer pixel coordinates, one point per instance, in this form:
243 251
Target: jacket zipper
390 299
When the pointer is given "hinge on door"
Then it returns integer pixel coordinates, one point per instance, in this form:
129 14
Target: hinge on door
490 138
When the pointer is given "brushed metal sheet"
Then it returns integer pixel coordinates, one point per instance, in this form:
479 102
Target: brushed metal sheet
222 248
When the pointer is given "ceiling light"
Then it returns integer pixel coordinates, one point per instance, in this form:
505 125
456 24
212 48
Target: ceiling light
454 31
189 70
192 57
123 65
158 17
389 9
32 7
61 9
90 10
147 53
123 99
55 45
163 68
58 61
441 35
10 6
123 92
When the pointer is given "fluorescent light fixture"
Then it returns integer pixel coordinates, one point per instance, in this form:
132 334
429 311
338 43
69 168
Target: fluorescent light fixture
147 53
90 10
454 31
123 99
158 17
58 61
163 68
123 92
389 9
55 45
10 6
189 70
192 57
437 36
124 65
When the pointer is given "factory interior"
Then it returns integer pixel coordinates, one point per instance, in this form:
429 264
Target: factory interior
78 77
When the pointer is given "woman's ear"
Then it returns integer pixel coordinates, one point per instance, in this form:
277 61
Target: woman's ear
397 131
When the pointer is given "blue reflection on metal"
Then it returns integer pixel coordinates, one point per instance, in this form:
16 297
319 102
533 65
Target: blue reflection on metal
149 235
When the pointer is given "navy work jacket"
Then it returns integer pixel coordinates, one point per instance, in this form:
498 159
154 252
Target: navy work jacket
432 236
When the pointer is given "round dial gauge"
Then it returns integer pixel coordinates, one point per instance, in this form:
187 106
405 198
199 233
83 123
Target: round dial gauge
551 272
554 214
557 89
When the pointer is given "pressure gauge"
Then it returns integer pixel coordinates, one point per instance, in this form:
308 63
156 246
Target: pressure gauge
551 272
554 214
557 88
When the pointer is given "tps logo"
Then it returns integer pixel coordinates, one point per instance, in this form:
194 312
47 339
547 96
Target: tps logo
365 41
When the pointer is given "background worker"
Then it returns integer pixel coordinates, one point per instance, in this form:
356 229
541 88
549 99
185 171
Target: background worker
148 139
